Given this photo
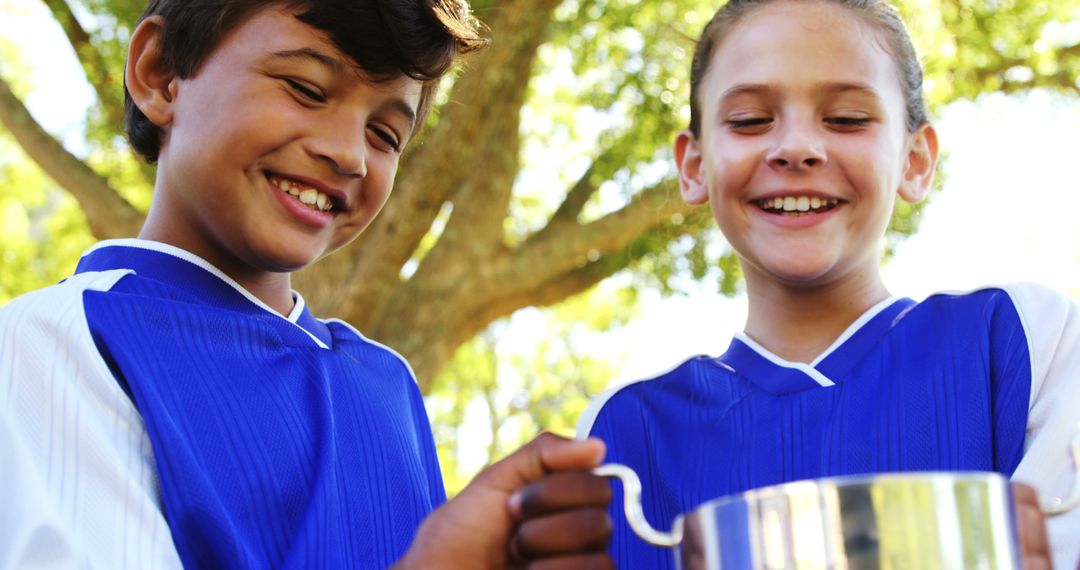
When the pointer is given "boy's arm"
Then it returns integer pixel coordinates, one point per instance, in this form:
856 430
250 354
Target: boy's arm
29 535
538 505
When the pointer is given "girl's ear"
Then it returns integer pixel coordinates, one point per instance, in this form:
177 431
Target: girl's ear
692 183
922 160
150 83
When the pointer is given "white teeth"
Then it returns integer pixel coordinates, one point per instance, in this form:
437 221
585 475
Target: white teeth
797 204
307 196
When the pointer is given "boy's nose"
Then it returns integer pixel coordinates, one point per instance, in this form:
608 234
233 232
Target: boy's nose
344 148
796 150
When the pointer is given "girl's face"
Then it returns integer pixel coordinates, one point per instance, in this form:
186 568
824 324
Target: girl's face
803 144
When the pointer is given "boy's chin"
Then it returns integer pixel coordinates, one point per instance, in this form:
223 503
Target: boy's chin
285 259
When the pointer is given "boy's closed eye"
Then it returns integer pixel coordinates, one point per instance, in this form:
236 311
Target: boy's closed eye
309 93
386 139
305 90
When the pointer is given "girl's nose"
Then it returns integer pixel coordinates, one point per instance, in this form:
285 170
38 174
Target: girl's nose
797 148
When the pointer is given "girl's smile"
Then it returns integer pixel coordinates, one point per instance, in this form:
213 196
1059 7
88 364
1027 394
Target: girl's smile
803 144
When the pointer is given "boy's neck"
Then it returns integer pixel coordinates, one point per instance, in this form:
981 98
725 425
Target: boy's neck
798 324
272 288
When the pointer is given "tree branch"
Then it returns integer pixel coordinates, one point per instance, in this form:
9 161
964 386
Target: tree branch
558 252
472 151
107 213
97 70
581 277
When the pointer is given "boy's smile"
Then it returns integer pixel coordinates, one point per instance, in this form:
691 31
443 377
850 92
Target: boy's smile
309 194
277 151
803 144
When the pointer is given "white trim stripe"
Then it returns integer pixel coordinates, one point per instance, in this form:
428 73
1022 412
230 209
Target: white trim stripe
854 328
150 245
807 369
361 336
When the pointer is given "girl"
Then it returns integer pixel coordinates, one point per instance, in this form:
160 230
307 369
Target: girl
807 122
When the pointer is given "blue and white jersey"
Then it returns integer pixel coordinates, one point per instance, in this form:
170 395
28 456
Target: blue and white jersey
983 381
155 414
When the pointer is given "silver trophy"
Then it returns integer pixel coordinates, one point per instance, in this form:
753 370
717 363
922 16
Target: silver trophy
897 521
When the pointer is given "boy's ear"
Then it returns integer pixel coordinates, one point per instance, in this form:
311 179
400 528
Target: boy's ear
922 160
692 183
151 84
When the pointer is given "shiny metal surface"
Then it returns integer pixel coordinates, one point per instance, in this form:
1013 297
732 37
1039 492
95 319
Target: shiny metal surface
895 521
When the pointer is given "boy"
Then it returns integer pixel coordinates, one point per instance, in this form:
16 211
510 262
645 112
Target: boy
807 121
174 402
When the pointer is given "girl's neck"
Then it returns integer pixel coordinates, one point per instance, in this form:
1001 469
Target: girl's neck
799 323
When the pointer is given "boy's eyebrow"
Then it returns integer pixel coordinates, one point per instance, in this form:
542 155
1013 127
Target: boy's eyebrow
405 110
310 54
339 67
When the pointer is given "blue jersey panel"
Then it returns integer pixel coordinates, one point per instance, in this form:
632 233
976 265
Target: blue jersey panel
272 451
939 385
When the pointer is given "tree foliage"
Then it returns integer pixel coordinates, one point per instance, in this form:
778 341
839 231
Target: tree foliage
545 170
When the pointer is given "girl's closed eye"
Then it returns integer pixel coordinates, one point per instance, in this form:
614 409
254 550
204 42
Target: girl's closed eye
847 122
749 124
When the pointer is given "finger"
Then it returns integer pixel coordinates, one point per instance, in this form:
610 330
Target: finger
545 454
578 562
1031 527
566 490
578 531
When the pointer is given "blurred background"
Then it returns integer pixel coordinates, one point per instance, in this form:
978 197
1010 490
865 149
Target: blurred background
535 251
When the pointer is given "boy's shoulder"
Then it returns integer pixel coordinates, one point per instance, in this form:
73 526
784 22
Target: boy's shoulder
364 348
55 305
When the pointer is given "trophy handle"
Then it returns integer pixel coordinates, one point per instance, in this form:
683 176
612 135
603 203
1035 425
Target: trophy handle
1060 505
632 505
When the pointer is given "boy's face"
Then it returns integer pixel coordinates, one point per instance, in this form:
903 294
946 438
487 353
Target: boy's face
802 110
275 111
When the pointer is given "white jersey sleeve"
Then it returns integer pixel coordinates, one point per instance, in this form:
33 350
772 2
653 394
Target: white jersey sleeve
78 486
1052 325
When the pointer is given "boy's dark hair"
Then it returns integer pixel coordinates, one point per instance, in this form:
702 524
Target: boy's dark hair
386 38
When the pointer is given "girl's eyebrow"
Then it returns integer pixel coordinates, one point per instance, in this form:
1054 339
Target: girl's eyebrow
745 89
845 87
764 89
